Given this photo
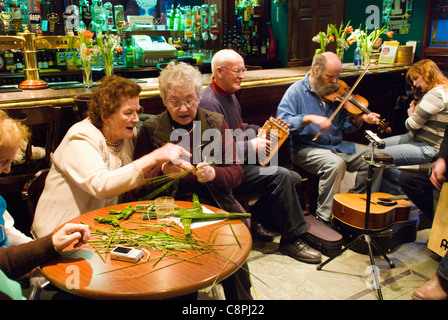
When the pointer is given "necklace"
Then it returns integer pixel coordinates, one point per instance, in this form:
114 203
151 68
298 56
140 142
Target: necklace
110 144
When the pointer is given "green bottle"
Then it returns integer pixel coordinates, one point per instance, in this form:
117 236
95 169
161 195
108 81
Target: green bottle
129 55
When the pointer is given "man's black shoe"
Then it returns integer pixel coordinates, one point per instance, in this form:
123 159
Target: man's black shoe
300 250
260 233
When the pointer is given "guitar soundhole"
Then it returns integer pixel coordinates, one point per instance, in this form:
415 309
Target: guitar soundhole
388 204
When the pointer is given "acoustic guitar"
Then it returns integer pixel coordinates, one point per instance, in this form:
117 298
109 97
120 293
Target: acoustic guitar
385 210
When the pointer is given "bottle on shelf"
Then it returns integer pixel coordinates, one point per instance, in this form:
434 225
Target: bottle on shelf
358 57
44 60
60 59
50 59
9 61
40 62
70 60
130 59
2 62
18 61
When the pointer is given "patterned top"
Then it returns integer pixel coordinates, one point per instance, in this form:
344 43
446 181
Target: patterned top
430 118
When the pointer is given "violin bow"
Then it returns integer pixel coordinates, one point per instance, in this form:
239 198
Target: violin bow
347 96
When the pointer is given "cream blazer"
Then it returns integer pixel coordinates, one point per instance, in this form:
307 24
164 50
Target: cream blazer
86 174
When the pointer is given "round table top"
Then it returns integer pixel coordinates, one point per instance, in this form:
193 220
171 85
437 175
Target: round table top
83 271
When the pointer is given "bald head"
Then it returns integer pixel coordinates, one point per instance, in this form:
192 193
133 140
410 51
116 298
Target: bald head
228 69
224 58
325 71
327 61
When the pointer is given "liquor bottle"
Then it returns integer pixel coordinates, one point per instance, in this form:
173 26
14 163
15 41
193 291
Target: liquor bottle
2 62
188 27
40 63
109 15
9 61
129 56
177 19
86 15
44 60
18 61
263 49
50 59
358 57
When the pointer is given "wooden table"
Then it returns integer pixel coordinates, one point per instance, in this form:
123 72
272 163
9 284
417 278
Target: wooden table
81 271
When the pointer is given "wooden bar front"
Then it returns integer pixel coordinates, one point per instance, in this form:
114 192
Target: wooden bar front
260 94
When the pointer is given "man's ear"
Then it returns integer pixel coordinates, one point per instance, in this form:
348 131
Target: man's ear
218 72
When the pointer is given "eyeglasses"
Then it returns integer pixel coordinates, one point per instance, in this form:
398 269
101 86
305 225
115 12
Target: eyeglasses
238 70
175 104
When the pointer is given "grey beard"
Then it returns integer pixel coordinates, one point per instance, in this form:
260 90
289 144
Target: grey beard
318 86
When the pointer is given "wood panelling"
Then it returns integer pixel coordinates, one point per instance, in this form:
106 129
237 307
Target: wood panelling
306 19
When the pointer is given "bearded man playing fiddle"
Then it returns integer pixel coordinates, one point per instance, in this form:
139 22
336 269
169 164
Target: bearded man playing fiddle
329 156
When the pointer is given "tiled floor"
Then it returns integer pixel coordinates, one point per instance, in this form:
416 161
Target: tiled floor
347 277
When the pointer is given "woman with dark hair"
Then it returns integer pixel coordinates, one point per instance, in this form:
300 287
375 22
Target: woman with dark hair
93 166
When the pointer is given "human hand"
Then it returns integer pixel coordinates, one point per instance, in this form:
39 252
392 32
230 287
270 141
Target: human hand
69 233
260 144
178 167
411 109
167 153
205 172
170 152
323 122
437 177
371 118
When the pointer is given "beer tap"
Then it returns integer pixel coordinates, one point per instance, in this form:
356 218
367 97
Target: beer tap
28 42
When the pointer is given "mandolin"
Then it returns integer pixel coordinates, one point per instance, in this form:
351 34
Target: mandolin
385 210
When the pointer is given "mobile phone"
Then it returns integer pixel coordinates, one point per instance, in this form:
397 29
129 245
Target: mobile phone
126 254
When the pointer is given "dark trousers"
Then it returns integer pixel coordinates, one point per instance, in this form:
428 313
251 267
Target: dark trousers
420 191
442 270
278 206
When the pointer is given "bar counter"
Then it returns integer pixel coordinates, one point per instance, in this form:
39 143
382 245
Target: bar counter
260 94
253 79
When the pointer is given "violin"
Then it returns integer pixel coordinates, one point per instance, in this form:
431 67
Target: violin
354 104
417 92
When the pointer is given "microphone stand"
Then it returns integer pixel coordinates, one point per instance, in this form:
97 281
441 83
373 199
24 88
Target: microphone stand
366 232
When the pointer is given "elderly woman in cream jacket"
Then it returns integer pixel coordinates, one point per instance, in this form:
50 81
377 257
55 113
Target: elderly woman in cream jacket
94 164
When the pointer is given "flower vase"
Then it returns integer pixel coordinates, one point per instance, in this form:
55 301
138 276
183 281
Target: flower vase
340 53
365 57
87 78
109 69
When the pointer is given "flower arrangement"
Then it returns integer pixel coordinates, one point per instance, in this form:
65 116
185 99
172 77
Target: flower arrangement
89 55
367 40
334 34
107 43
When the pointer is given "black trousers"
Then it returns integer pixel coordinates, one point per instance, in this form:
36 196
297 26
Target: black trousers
278 206
420 191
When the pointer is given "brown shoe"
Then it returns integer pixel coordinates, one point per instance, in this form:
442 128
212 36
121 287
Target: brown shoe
434 289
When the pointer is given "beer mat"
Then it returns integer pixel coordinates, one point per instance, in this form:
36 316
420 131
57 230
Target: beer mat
67 85
11 88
